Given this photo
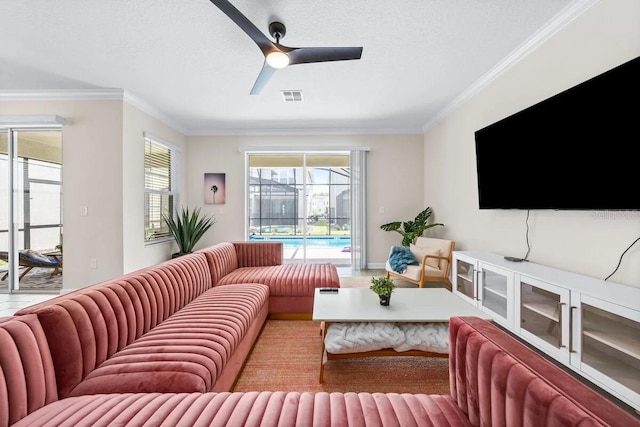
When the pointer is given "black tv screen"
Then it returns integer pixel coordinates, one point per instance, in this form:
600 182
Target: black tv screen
575 150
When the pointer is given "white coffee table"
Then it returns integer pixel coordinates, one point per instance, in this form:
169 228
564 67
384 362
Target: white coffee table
407 305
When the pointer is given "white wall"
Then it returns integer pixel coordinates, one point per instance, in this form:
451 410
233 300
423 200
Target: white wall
394 180
103 169
91 175
586 242
135 254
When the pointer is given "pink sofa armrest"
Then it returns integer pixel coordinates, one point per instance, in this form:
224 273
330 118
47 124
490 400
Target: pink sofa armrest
86 327
498 381
258 254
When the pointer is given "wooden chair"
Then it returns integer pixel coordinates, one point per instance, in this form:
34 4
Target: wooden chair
31 259
434 258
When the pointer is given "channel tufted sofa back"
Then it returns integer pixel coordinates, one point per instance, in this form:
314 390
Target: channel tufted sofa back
259 254
222 259
86 327
27 378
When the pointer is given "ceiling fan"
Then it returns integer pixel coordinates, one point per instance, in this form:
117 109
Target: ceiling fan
278 56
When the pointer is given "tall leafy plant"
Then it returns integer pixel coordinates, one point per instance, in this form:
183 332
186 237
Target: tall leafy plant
188 227
411 229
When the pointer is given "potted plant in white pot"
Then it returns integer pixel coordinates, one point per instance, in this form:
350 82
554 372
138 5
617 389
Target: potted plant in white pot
383 286
187 228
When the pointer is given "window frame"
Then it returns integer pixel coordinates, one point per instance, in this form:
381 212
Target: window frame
173 192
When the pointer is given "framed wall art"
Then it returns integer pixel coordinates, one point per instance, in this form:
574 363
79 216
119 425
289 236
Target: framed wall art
215 192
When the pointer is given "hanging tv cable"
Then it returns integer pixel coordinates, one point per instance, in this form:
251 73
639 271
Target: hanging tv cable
620 260
526 256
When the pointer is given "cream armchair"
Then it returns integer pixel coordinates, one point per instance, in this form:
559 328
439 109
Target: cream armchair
434 262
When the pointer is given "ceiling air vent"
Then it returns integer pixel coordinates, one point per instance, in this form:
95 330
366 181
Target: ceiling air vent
291 95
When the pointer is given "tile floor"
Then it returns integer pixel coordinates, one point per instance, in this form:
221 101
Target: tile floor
10 303
347 271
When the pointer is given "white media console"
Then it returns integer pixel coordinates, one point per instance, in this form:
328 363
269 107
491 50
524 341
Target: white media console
590 325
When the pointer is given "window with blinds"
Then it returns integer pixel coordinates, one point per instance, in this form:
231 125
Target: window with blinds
160 194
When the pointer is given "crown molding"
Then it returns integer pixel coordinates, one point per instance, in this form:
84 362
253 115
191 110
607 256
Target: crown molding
61 95
145 107
309 131
90 95
560 21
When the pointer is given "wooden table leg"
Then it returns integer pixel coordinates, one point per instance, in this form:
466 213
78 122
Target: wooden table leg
323 331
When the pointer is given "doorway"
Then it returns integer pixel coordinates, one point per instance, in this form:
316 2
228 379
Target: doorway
31 221
304 201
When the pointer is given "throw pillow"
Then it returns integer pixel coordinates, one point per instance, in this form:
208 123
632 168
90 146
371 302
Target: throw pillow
421 251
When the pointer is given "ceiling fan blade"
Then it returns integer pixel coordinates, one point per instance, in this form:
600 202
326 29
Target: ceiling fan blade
264 76
245 25
303 55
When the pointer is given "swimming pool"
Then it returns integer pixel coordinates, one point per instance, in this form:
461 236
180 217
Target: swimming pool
312 241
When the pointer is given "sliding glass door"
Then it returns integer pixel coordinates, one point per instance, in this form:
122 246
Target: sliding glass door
5 194
303 200
30 210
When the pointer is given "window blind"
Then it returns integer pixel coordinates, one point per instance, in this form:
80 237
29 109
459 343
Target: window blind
159 186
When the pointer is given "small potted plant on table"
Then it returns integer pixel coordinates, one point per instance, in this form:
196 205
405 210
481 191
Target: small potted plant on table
383 286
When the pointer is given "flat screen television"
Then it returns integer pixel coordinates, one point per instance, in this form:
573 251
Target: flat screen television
573 151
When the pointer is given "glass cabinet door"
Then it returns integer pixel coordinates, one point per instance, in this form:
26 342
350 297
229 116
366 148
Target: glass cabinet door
609 344
496 298
543 314
465 280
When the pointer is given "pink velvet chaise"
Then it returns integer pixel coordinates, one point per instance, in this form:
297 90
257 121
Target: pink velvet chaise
291 286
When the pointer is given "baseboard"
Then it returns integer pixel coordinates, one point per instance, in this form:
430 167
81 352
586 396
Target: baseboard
290 316
376 265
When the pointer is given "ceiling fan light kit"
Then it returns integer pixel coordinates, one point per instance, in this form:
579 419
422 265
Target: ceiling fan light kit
278 59
278 56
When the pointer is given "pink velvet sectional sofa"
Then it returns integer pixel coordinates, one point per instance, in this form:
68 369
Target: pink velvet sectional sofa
494 379
185 325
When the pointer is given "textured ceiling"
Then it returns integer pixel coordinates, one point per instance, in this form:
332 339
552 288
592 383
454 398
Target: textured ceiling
194 67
